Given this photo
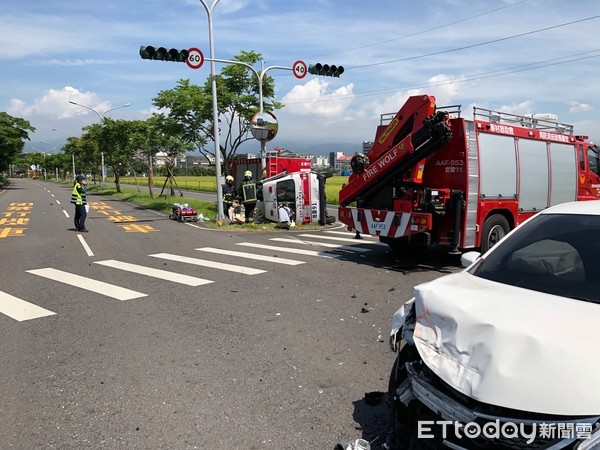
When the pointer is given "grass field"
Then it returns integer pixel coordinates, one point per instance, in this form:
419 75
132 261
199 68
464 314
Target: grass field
208 184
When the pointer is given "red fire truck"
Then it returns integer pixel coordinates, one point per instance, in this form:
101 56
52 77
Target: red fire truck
275 165
435 177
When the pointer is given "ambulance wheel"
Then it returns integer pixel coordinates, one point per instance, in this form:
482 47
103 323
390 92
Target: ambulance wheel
494 228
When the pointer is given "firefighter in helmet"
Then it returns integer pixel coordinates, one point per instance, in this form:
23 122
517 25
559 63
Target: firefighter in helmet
230 195
248 191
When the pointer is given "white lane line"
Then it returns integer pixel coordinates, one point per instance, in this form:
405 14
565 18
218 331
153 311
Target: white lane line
333 238
66 213
349 234
156 273
86 247
212 264
322 244
57 201
89 284
298 251
21 310
273 259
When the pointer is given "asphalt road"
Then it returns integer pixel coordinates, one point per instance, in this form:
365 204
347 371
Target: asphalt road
146 333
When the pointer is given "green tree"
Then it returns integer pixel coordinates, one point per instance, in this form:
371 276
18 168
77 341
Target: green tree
13 132
113 139
158 134
190 109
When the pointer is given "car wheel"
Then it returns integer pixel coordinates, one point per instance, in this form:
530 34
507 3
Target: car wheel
494 228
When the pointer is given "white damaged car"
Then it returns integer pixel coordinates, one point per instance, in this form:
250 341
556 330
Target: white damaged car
506 353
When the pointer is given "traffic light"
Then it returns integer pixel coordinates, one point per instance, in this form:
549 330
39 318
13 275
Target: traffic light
162 54
325 70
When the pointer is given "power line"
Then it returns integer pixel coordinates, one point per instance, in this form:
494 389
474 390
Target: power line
493 41
477 76
418 32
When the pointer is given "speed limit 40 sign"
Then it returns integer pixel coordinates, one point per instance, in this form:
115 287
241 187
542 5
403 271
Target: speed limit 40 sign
299 69
195 58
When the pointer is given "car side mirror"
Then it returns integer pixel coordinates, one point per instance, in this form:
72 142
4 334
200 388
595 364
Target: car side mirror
469 258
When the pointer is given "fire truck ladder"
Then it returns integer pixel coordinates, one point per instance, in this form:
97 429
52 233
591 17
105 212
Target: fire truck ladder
272 164
416 146
536 121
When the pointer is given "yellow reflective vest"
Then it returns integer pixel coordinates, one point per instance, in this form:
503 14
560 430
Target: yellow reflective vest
78 196
249 192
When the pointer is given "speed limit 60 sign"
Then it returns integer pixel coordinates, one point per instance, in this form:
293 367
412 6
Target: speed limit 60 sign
299 69
195 58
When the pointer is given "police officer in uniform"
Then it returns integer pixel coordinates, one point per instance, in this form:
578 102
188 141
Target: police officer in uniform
248 190
79 199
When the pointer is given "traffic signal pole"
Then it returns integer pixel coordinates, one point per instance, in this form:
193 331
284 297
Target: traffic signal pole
259 75
209 11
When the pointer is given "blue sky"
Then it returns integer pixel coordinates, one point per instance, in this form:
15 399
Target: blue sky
518 56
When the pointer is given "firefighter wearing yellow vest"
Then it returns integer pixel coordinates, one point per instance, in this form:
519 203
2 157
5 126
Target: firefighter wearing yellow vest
79 199
248 191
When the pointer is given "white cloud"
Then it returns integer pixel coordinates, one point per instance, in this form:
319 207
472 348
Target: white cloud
390 104
447 88
55 103
526 107
577 107
314 99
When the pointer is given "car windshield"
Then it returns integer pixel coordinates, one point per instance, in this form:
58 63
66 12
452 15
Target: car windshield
552 253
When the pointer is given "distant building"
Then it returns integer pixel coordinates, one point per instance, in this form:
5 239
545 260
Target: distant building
246 155
333 158
319 161
190 160
343 164
184 161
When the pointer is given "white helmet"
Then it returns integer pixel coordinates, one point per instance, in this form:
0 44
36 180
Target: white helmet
248 174
228 178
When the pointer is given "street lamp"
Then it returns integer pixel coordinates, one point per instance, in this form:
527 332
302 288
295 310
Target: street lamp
72 154
100 116
209 12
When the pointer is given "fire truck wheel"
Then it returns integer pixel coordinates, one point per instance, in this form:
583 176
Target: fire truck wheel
494 228
407 244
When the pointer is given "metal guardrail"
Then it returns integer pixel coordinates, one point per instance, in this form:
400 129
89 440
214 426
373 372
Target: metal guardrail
527 121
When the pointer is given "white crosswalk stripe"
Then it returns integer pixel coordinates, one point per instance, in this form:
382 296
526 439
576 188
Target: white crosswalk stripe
299 251
350 234
155 273
212 264
341 239
322 244
89 284
273 259
21 310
